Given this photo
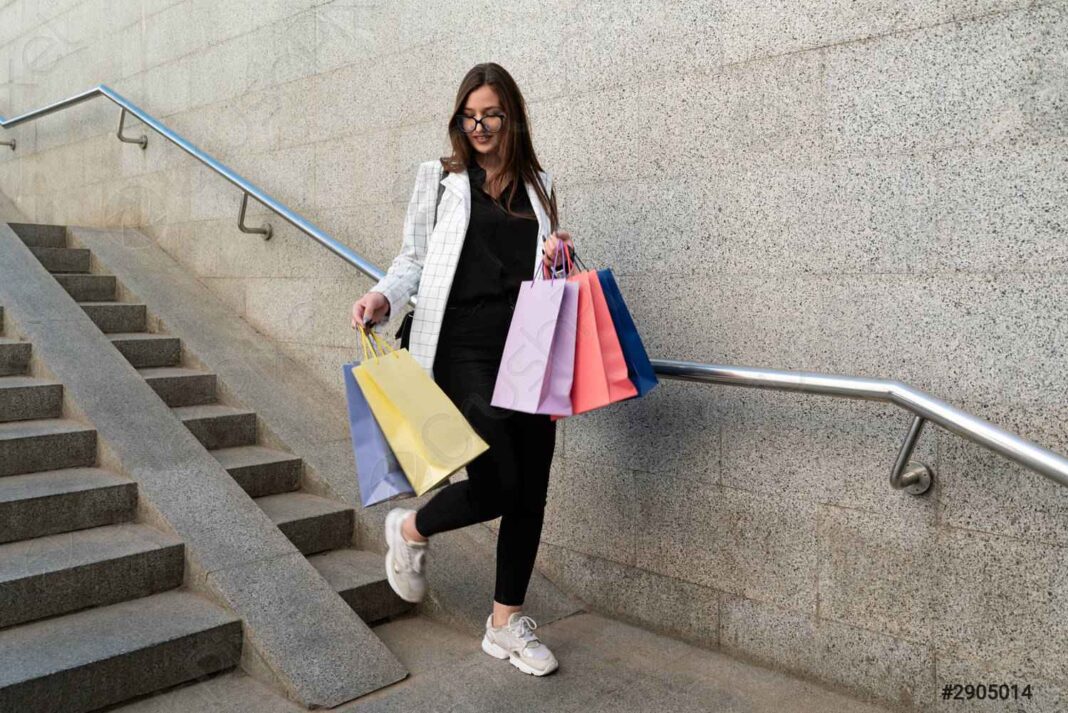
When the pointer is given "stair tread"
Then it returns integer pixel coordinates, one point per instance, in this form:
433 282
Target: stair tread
55 553
244 456
138 336
11 340
21 381
37 649
287 507
209 411
169 371
349 568
109 303
55 482
41 427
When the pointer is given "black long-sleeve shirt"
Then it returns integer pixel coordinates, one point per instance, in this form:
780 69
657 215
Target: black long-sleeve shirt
498 250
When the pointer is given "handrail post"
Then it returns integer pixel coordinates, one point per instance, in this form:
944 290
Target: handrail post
143 141
913 477
266 231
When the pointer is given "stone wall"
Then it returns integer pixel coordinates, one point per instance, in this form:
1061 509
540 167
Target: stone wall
870 188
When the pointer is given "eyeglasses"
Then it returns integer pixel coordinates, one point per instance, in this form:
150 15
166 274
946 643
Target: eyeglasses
491 123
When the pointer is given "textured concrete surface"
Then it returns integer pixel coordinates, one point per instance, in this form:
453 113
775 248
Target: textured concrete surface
232 547
866 187
605 665
91 658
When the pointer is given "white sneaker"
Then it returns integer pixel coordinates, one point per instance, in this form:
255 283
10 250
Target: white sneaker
405 561
516 642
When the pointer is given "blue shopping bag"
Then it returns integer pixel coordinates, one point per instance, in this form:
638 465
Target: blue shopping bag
379 474
639 368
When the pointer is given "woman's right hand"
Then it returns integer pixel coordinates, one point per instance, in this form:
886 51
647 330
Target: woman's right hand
373 305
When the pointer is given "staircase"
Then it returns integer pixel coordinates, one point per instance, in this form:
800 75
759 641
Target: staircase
321 528
231 545
92 608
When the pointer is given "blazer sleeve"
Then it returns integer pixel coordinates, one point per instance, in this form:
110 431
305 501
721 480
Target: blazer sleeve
401 280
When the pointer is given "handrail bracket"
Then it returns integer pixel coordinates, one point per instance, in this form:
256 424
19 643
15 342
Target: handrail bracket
914 477
8 143
266 231
143 140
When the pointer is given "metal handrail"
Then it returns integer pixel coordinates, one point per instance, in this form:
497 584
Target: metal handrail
909 475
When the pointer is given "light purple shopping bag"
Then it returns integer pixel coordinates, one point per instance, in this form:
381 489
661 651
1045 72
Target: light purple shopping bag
556 391
537 365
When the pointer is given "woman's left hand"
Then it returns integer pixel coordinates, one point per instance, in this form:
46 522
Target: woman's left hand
553 242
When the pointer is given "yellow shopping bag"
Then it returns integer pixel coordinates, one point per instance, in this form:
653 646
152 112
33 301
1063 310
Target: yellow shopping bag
427 433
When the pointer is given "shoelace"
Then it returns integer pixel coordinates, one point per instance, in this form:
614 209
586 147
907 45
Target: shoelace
412 558
523 629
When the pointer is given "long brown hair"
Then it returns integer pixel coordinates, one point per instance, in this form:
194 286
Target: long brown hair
517 151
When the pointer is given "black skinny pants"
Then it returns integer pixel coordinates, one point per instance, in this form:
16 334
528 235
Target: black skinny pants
511 479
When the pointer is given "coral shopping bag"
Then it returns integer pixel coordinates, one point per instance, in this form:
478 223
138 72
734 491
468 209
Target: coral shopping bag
429 436
538 361
639 368
600 370
378 473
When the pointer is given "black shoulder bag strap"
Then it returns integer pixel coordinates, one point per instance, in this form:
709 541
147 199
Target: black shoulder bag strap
404 332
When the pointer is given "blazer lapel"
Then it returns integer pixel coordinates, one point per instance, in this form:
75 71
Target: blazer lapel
458 210
543 217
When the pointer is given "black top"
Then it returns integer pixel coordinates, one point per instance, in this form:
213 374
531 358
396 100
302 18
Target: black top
498 250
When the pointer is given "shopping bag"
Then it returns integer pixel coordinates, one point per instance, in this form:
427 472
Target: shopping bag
378 474
537 362
429 436
620 386
639 368
600 370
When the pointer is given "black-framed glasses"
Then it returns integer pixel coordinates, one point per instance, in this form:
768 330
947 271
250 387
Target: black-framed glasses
491 123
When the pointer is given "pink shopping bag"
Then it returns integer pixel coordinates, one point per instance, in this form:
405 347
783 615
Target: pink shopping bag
600 369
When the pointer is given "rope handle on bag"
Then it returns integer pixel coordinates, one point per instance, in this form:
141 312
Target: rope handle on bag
561 248
384 348
366 347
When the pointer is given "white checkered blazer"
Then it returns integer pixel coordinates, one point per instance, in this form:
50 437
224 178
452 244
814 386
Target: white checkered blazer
427 261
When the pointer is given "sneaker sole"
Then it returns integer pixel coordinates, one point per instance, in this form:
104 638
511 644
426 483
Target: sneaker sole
389 565
498 653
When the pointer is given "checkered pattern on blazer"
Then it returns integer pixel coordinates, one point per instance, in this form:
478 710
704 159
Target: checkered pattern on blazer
427 261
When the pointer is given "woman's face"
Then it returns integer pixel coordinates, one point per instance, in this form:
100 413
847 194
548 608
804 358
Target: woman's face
481 103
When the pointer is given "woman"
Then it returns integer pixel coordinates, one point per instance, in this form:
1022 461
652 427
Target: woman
491 232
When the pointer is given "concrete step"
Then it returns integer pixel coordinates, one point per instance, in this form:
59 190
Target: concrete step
105 655
14 356
359 577
219 426
261 470
63 260
26 397
53 501
89 288
144 349
45 444
178 386
312 523
40 235
228 692
57 574
113 317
